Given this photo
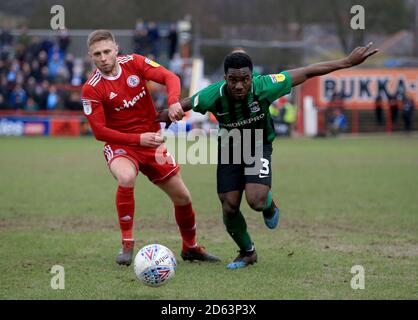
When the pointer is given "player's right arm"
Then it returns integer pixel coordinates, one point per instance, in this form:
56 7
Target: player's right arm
357 56
93 110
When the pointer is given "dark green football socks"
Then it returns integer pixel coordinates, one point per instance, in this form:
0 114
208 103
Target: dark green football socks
237 229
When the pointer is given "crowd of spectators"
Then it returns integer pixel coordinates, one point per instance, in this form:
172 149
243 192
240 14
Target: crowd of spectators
38 74
41 74
401 103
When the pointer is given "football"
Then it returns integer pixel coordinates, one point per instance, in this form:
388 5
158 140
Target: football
155 264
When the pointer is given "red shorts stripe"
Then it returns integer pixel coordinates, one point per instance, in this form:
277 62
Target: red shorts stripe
145 160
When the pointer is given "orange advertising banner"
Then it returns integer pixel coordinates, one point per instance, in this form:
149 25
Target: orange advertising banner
65 127
360 87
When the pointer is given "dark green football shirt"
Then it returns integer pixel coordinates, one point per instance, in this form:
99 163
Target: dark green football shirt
250 114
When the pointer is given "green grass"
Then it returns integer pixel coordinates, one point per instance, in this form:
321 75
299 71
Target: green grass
345 202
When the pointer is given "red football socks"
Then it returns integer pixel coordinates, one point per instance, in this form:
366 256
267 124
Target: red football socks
125 205
185 218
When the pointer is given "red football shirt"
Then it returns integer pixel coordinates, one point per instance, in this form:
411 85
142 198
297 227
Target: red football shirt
120 108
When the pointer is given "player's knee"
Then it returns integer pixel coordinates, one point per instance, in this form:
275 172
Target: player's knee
229 208
257 202
182 199
126 179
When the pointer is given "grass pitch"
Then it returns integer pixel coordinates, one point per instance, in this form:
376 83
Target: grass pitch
345 202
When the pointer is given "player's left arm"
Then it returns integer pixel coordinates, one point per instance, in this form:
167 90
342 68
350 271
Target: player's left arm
157 73
163 116
356 57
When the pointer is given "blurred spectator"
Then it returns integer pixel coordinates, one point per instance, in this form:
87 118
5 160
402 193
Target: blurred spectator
64 40
408 112
142 44
173 40
3 67
36 71
4 86
154 38
275 111
69 63
378 107
338 123
288 114
79 75
55 50
14 69
6 41
17 98
6 38
23 38
20 78
139 24
31 105
34 47
42 59
3 103
53 99
336 102
73 102
26 70
394 108
46 45
41 94
45 74
31 87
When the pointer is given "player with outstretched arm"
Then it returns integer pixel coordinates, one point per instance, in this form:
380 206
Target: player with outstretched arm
241 102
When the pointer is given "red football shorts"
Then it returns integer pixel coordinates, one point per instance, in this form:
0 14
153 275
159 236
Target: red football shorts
155 163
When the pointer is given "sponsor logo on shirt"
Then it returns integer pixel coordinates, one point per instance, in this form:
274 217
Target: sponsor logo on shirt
254 107
87 107
243 122
112 95
132 81
131 103
279 77
151 63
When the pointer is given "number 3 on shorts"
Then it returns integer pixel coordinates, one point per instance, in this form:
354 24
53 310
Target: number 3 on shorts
265 169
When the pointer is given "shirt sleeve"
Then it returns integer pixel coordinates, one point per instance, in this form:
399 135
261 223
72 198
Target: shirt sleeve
151 70
93 110
204 100
274 86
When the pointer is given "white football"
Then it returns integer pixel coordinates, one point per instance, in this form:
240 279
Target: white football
155 264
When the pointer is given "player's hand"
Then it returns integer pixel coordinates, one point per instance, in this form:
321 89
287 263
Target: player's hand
151 139
175 112
163 117
360 54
